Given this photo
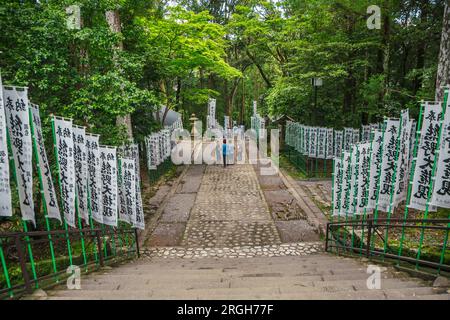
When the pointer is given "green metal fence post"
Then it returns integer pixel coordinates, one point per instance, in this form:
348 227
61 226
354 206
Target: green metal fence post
433 171
41 190
411 177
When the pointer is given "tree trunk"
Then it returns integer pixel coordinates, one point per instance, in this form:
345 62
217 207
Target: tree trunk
443 72
113 20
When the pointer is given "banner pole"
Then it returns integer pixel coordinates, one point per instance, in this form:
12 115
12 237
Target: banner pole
375 216
41 190
411 177
24 223
80 226
91 222
5 270
433 172
55 147
393 182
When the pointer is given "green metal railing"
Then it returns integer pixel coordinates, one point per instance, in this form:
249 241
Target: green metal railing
310 167
91 249
340 239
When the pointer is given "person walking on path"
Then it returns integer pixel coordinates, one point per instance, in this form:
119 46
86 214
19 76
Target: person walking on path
224 152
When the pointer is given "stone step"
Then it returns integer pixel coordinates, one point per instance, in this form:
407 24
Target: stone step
296 284
245 293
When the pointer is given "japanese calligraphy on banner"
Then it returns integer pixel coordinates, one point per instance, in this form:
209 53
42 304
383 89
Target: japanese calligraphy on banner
346 183
81 171
355 136
307 141
94 183
108 163
337 187
5 189
132 152
330 145
321 142
375 167
401 179
348 139
313 142
425 156
255 107
441 191
391 136
365 133
46 180
66 166
338 142
18 122
363 178
127 187
354 179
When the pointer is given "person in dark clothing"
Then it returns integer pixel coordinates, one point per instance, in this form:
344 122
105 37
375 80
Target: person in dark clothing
224 152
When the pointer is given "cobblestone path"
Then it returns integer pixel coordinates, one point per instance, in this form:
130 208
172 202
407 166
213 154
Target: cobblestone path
230 211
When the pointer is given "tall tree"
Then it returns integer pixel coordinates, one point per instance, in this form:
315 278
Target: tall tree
443 72
113 19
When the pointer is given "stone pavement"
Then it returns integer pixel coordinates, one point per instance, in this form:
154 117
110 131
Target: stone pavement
230 211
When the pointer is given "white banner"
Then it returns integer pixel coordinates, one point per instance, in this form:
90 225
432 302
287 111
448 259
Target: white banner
348 139
441 191
321 142
365 133
313 142
337 187
338 142
375 168
307 140
330 144
5 188
401 179
94 182
66 165
51 201
346 184
255 108
363 177
425 156
354 179
390 141
127 178
18 122
355 136
108 162
81 171
132 152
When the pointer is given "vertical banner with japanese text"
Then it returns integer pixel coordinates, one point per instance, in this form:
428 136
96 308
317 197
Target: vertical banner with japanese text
51 200
66 166
5 188
18 123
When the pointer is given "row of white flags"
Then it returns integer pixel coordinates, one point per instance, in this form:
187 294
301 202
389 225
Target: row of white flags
158 146
98 182
375 175
325 143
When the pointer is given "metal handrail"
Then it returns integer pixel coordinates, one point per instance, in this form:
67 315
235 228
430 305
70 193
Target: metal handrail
372 225
19 241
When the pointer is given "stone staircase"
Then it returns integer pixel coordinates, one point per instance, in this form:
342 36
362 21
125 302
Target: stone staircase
311 276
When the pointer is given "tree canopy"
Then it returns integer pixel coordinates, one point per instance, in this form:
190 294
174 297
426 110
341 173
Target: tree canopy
179 53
